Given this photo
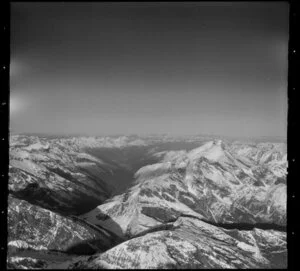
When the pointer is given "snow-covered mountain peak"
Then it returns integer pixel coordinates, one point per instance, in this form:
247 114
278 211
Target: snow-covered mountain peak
212 150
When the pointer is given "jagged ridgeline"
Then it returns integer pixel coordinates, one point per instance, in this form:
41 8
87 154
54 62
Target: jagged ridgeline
158 202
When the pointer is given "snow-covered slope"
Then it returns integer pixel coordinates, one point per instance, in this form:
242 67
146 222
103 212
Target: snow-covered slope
32 228
191 243
219 205
211 182
55 176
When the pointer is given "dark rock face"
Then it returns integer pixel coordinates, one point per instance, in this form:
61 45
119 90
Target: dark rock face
160 214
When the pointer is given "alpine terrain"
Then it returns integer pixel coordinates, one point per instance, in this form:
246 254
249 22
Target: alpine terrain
146 202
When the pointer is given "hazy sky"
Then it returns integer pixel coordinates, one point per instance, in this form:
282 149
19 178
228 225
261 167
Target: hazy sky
127 68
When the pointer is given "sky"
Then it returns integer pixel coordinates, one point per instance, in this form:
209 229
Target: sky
149 68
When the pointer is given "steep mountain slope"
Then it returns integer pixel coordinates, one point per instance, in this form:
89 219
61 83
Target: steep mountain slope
191 243
210 182
34 229
55 176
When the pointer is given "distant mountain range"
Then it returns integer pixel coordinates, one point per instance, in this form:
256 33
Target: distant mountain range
257 139
146 202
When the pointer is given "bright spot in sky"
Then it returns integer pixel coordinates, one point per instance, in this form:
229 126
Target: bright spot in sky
16 104
16 68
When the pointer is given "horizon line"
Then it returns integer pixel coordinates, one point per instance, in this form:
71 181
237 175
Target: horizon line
143 135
